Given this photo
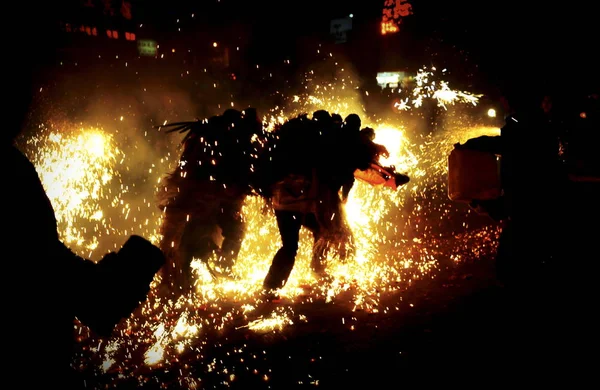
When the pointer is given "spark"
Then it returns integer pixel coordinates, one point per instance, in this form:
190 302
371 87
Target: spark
401 236
429 86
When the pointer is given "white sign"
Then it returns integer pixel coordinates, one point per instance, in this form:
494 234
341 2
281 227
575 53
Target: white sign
390 79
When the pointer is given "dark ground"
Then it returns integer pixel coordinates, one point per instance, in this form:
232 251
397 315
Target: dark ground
444 328
461 328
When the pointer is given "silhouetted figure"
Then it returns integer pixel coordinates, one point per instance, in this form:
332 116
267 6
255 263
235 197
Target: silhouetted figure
350 148
531 177
368 137
203 197
547 255
50 286
307 166
288 169
337 119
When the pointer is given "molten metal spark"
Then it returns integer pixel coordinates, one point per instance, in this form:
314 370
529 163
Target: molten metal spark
427 86
401 236
76 167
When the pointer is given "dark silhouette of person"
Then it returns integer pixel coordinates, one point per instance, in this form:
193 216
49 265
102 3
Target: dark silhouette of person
368 134
309 162
288 169
546 251
203 197
529 170
48 286
376 151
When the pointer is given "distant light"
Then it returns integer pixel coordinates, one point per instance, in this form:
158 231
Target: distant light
582 115
215 44
491 113
351 15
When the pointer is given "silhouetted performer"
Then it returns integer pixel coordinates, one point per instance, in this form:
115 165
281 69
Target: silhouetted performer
204 195
304 193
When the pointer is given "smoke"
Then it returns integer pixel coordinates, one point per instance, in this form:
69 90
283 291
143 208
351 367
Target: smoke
329 83
126 106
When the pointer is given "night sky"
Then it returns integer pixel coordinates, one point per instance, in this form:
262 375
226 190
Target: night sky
526 44
522 42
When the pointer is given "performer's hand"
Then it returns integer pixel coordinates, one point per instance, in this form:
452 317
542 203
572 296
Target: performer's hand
383 151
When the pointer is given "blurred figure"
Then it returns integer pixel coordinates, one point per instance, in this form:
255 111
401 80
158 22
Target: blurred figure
51 286
375 150
203 197
347 151
308 167
546 252
531 173
289 181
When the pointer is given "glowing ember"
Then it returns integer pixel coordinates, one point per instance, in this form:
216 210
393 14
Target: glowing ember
427 86
91 184
401 236
77 168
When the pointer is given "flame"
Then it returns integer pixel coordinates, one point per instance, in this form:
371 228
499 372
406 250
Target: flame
76 167
399 234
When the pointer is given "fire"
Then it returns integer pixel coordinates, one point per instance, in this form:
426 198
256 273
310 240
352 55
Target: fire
399 234
76 167
84 173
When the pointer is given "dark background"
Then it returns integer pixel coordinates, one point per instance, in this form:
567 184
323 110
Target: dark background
489 45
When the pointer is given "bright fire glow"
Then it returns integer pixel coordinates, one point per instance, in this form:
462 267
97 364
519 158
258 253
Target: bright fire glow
401 236
429 86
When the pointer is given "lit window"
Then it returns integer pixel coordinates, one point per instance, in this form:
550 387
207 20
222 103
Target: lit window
68 27
132 35
109 33
88 30
115 34
94 31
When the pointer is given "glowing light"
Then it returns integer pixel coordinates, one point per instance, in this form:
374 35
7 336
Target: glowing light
393 13
429 86
400 236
